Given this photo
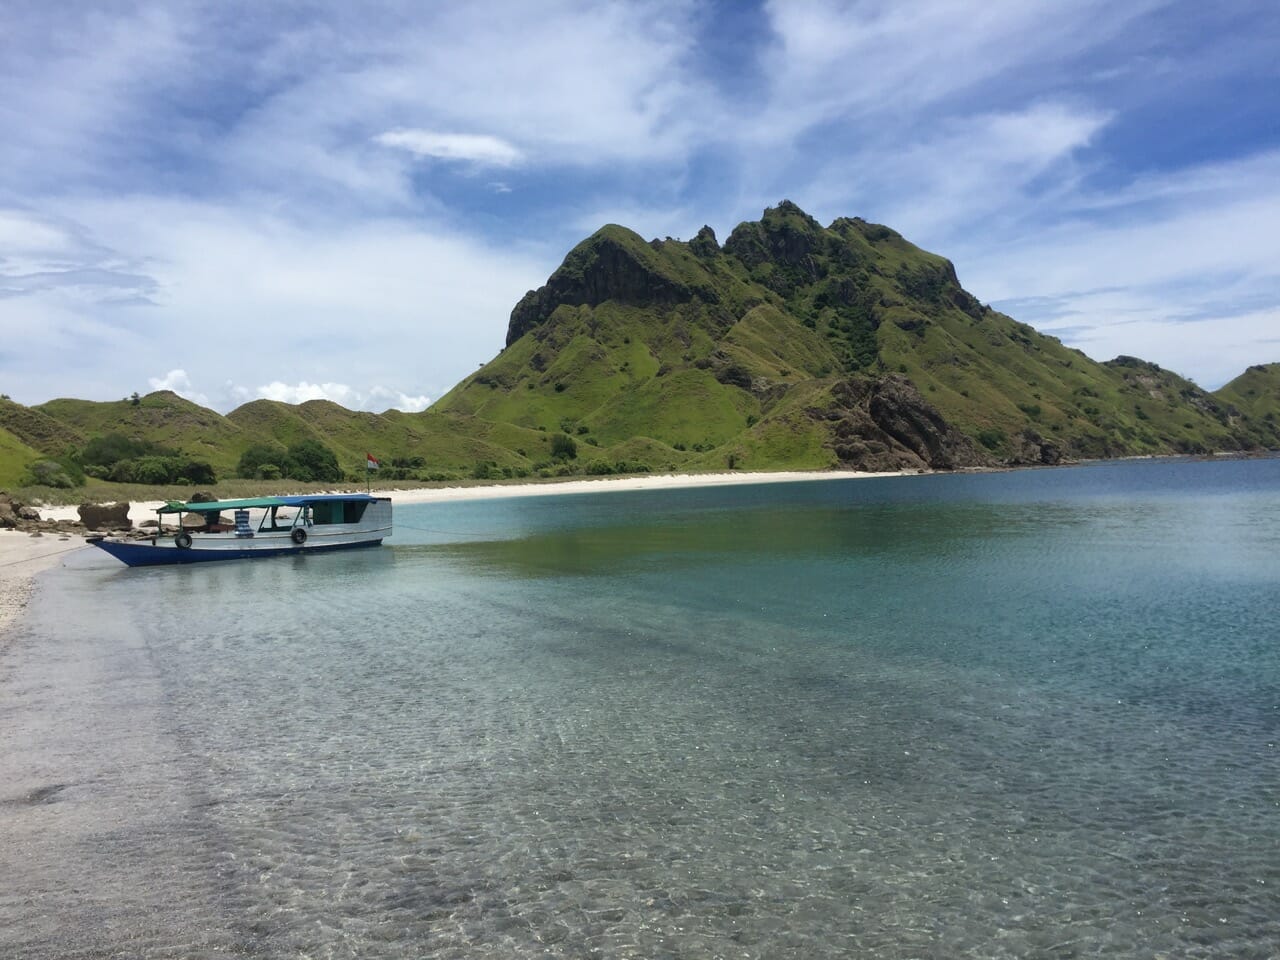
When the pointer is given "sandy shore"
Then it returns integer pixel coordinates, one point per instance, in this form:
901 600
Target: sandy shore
22 555
146 510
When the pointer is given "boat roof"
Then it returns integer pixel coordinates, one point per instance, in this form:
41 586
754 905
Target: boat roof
205 506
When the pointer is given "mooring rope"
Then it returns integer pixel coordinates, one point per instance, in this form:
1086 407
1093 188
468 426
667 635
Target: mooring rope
42 556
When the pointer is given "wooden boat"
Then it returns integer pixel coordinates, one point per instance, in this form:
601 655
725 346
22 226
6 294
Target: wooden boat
258 527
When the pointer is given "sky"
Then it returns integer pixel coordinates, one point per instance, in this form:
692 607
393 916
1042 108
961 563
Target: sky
297 200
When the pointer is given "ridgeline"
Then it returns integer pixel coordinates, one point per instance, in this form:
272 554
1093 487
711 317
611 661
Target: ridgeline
790 346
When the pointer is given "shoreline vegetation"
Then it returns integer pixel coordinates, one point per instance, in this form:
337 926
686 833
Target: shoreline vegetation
24 555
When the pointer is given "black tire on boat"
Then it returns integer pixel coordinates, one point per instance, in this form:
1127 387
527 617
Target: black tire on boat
183 541
299 535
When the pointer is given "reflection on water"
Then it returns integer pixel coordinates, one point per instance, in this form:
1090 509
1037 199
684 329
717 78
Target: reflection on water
1016 715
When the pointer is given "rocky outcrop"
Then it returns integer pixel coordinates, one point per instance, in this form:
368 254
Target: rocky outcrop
105 516
14 514
1032 449
610 265
705 245
885 424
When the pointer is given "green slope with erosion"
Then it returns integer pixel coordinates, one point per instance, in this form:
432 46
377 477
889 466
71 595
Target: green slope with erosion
37 429
1256 395
795 345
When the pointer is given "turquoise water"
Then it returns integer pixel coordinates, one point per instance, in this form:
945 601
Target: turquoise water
1033 714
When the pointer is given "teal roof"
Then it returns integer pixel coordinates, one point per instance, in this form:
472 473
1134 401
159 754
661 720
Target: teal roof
177 506
295 500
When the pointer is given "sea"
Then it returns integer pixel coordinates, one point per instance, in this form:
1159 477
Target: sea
1008 715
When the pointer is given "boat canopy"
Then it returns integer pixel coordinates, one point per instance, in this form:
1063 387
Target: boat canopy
209 506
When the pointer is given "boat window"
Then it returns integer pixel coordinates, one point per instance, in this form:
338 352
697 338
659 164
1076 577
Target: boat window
273 519
338 511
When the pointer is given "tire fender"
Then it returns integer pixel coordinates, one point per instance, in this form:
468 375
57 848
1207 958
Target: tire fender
182 541
299 536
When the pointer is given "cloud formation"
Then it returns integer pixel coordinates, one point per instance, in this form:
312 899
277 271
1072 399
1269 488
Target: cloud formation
352 202
478 148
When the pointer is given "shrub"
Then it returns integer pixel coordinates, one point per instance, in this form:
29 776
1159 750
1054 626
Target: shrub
113 447
992 438
563 447
312 460
47 473
259 455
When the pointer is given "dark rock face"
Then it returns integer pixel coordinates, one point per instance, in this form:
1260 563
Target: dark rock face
105 516
785 235
8 516
1031 448
600 269
885 424
705 245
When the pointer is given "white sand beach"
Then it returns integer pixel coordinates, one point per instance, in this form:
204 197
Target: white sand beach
23 556
145 510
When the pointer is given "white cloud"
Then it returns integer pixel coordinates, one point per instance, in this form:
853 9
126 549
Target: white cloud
1182 269
390 311
834 58
969 170
478 148
376 398
179 383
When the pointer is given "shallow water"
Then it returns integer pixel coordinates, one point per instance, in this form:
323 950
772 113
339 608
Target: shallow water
1033 714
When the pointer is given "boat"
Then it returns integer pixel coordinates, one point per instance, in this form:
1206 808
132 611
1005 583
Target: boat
257 527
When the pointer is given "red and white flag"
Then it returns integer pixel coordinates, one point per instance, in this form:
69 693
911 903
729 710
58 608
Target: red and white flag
372 463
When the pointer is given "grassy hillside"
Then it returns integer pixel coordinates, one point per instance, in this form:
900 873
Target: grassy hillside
1256 395
729 353
14 457
162 417
37 429
793 345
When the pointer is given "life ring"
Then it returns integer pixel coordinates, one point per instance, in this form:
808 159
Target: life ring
183 541
299 535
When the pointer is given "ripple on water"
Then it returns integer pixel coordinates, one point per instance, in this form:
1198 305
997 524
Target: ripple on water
867 749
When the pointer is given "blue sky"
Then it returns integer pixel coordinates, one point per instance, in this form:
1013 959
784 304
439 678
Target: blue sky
298 200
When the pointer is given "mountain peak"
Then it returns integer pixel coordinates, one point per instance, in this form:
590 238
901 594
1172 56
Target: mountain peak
614 263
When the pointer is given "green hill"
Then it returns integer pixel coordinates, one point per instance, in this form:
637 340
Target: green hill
795 345
37 429
1256 395
162 417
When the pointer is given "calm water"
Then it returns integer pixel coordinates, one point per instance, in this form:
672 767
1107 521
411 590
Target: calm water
1033 714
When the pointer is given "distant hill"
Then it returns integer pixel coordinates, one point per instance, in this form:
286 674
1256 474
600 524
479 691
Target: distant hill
793 345
162 417
1256 394
37 429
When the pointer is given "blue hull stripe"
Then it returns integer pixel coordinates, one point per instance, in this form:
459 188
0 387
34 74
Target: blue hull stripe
145 555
